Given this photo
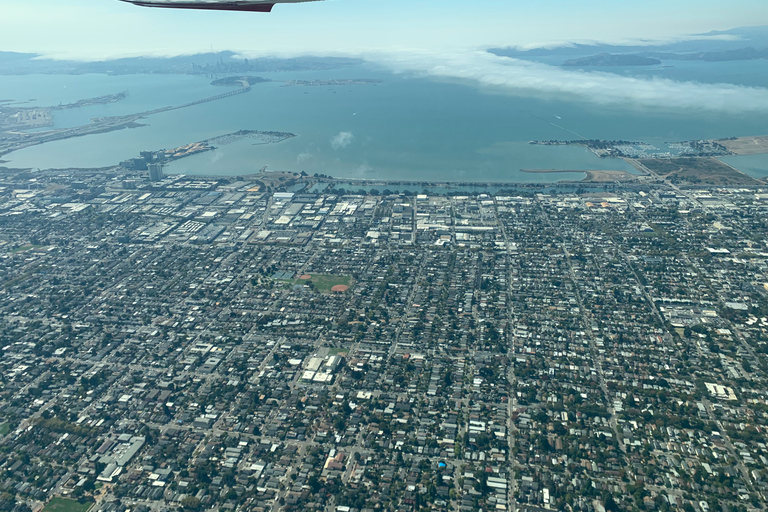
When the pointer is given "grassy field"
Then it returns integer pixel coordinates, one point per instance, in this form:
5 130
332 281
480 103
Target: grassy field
5 428
324 282
28 247
66 505
608 176
746 145
698 171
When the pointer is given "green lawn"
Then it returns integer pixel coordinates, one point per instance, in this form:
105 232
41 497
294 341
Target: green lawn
324 282
28 247
4 428
66 505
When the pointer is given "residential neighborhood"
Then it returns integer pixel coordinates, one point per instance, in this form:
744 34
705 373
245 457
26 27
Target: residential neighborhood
241 344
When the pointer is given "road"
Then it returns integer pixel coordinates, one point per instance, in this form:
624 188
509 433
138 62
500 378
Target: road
512 380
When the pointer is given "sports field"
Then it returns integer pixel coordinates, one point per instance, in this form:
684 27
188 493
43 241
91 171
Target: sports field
325 283
66 505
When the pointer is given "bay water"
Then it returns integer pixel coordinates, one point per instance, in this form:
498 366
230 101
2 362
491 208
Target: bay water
404 128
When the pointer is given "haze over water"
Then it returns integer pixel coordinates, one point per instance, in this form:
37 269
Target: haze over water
406 128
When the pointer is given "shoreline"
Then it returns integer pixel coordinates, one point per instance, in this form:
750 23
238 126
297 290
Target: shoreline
550 171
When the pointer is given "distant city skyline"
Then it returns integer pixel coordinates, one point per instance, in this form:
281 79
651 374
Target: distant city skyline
102 29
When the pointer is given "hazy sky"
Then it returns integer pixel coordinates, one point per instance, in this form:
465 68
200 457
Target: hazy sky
96 29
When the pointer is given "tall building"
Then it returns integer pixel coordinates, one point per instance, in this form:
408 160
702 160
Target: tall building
155 172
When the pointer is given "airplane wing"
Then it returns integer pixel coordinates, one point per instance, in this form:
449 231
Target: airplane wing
215 5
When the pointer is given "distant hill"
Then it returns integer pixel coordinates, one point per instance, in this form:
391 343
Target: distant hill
221 63
734 44
725 55
653 58
608 59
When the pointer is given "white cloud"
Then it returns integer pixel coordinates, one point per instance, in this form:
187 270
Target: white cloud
530 78
342 140
363 169
303 157
215 156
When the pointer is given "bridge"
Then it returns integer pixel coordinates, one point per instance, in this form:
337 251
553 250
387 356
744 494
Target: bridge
245 87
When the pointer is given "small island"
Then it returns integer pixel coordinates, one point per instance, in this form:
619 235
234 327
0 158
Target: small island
610 60
99 100
239 80
341 81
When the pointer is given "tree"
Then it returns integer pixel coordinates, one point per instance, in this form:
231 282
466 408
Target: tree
610 504
190 503
314 483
